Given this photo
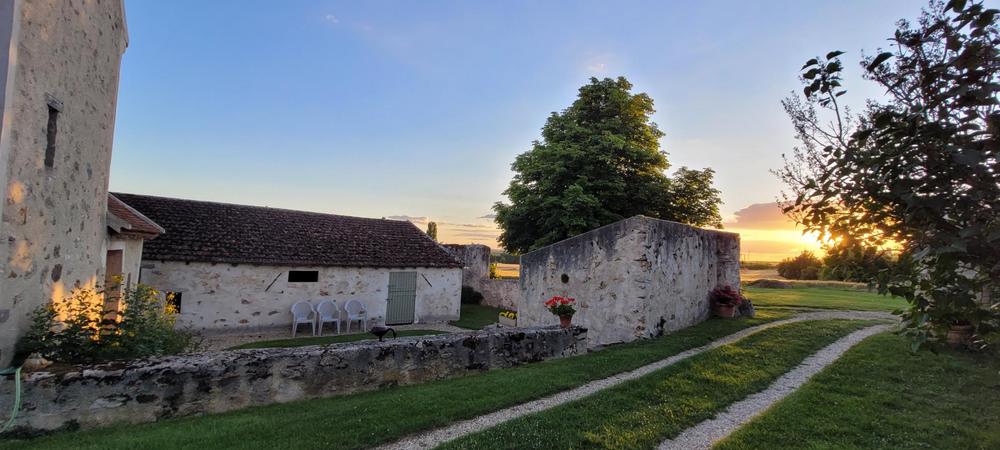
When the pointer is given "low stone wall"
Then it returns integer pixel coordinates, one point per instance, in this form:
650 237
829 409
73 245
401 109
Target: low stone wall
151 389
501 293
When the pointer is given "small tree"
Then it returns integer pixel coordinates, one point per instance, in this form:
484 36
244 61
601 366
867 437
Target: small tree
599 161
920 170
850 260
806 266
432 230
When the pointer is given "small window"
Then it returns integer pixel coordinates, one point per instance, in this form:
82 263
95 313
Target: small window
50 137
303 276
174 299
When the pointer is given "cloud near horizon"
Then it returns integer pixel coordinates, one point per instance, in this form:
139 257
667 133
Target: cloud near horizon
766 234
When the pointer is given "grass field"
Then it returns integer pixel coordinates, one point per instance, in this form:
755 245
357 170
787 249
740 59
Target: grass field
324 340
366 419
639 414
881 396
475 317
822 298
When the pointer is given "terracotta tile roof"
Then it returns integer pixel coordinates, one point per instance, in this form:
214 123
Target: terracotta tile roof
200 231
129 222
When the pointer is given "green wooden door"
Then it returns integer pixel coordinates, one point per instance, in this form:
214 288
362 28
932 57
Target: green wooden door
402 298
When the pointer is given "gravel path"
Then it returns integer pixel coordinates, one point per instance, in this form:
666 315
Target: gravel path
456 430
707 433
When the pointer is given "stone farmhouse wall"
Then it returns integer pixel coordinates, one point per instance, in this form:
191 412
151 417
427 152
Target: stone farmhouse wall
501 293
64 55
475 259
246 297
637 278
476 273
153 389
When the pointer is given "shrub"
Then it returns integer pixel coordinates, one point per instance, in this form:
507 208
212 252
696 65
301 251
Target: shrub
470 296
494 271
852 261
79 329
806 266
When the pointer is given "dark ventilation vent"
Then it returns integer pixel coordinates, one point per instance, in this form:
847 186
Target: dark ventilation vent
303 276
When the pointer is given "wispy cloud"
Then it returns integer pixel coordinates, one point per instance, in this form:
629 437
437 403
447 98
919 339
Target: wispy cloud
330 18
414 219
761 216
488 216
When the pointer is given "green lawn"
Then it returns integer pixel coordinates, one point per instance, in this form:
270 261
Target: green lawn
640 414
366 419
475 317
331 339
823 298
881 396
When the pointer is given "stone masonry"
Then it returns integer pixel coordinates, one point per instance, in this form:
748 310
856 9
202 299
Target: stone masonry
637 278
61 76
152 389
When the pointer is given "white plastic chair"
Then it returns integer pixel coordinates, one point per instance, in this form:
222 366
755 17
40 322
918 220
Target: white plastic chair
356 311
303 312
327 311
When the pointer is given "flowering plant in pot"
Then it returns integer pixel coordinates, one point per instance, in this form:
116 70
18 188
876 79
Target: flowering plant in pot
725 299
562 307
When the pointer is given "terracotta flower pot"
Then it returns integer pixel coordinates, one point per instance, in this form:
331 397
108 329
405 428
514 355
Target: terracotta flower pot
565 321
725 311
958 334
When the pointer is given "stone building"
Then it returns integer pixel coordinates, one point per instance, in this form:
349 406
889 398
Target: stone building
475 259
239 268
59 63
637 278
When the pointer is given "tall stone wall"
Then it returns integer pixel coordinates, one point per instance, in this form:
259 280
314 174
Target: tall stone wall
636 278
246 297
475 259
154 389
500 293
64 55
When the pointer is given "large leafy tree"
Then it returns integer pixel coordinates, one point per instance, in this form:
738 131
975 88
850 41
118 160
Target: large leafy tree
599 161
918 169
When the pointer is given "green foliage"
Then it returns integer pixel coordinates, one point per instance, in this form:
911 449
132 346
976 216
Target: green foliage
920 169
599 161
852 261
494 271
470 296
806 266
80 329
432 230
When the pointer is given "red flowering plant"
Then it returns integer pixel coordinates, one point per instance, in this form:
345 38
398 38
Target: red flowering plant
726 296
561 306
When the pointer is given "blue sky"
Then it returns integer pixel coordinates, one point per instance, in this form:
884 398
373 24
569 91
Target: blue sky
418 108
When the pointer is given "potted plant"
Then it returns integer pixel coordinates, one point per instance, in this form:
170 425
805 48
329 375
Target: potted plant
725 299
959 333
508 318
562 307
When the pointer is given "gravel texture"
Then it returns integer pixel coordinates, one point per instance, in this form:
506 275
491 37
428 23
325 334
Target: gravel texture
706 434
456 430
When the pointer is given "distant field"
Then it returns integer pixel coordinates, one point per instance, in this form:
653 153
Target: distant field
757 274
508 270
